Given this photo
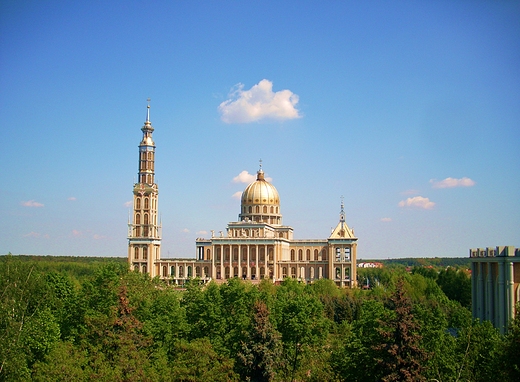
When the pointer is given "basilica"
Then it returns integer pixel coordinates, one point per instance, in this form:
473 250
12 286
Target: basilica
256 246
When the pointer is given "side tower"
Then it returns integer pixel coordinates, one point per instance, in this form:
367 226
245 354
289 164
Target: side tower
343 253
144 232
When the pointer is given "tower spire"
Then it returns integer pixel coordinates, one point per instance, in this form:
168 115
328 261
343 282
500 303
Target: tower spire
342 212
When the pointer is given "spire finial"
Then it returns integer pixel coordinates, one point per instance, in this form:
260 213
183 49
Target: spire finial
342 212
260 173
148 111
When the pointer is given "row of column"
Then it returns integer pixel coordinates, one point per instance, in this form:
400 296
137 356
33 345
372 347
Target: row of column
493 295
220 268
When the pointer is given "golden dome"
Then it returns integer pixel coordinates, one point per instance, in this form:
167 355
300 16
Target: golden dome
260 202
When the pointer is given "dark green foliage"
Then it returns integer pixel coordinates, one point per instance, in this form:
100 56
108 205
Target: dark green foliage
456 284
78 320
261 351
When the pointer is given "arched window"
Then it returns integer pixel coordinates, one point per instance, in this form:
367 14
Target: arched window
137 218
218 254
136 252
262 272
165 271
235 271
272 209
312 273
300 255
324 255
144 268
226 254
262 254
145 218
271 254
284 272
244 272
145 253
308 255
293 272
146 203
253 255
265 209
226 272
347 273
138 204
208 254
197 271
206 272
315 255
235 254
181 271
257 209
292 255
190 271
338 272
302 272
338 254
250 209
172 271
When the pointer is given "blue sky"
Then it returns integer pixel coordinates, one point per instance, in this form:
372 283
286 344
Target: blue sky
409 110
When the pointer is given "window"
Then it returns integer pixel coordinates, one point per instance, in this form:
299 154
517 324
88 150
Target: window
284 272
138 204
324 255
197 272
190 271
206 272
315 255
257 209
338 254
218 254
338 273
300 255
293 272
136 252
181 271
347 254
292 255
145 253
262 255
235 254
165 271
146 202
208 254
308 255
265 209
250 209
172 271
235 271
137 219
226 254
226 272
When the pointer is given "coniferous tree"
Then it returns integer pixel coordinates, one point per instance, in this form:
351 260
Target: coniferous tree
261 351
400 355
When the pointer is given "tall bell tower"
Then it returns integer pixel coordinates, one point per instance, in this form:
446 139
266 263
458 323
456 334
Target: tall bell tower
144 230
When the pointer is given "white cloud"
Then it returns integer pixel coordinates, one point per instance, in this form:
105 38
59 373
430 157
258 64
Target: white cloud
386 220
258 103
237 195
98 237
452 182
186 230
76 233
128 204
418 202
72 198
244 177
202 233
31 203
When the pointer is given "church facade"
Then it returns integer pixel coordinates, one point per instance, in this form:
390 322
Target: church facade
254 247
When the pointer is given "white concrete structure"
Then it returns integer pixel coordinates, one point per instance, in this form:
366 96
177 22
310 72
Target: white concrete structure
495 289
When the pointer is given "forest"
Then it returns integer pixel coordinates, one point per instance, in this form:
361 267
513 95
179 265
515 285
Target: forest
72 320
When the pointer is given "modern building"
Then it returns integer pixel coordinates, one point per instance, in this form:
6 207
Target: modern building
495 277
254 247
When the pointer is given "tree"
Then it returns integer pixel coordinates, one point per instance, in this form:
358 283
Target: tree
511 350
260 352
400 355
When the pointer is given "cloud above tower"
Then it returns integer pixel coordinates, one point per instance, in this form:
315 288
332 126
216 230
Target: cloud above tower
452 182
417 202
259 103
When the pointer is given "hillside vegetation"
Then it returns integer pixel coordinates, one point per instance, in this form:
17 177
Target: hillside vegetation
96 320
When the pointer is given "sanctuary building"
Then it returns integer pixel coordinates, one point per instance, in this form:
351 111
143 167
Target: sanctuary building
254 247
